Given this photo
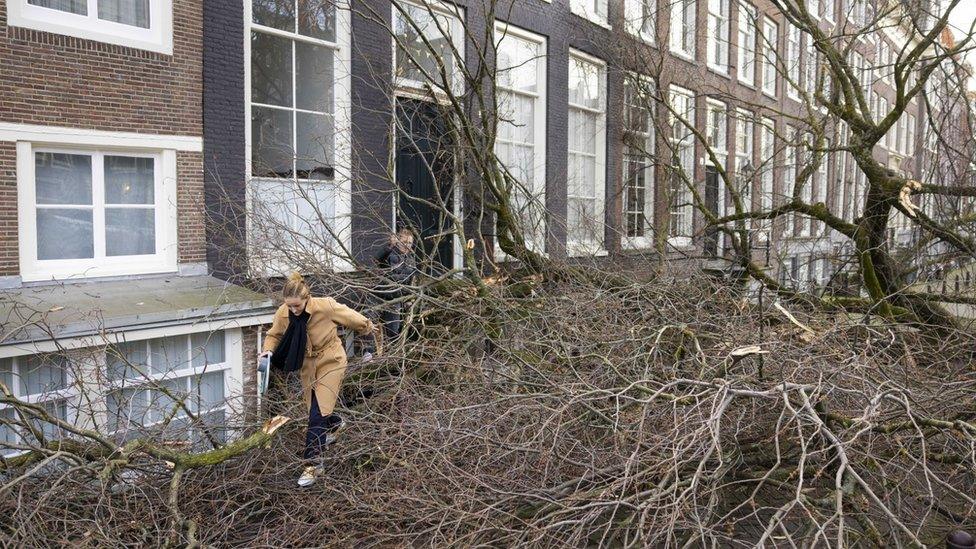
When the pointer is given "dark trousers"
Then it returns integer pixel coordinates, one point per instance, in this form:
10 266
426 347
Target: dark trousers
319 427
392 320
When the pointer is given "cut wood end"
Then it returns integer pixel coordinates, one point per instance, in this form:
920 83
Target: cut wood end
748 350
274 424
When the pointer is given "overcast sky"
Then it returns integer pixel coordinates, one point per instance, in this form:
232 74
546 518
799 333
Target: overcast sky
960 20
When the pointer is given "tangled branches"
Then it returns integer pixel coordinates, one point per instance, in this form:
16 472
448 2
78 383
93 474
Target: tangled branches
576 413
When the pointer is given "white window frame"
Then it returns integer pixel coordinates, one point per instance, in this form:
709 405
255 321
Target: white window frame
792 59
595 14
636 22
504 30
745 119
720 144
683 28
717 38
342 116
165 258
597 247
767 178
650 186
828 11
89 357
770 45
157 38
747 34
683 150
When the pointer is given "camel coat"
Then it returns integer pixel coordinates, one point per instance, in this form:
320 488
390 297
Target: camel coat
325 356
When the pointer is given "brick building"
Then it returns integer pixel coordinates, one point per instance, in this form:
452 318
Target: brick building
137 145
104 284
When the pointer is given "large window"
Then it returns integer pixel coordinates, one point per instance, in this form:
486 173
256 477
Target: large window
790 172
427 34
587 153
718 35
682 32
95 213
747 44
142 24
521 140
641 18
298 138
193 370
594 10
770 51
682 143
767 170
716 129
638 161
745 128
792 60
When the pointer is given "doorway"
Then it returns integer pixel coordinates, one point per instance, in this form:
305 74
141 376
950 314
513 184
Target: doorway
425 175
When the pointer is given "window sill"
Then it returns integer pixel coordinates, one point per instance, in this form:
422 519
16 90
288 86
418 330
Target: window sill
721 71
686 56
603 24
771 95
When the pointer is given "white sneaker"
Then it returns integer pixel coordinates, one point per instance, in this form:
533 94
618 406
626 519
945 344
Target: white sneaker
309 475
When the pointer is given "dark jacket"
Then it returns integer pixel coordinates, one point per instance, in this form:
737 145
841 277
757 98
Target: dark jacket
398 267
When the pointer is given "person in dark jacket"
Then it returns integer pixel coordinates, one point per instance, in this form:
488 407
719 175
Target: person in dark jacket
398 265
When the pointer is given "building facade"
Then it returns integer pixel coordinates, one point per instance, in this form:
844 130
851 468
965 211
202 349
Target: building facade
106 299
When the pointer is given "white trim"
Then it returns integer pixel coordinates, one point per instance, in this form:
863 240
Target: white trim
59 135
158 37
650 186
164 259
597 247
47 346
596 18
456 36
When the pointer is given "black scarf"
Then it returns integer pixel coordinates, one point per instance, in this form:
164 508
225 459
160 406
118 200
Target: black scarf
290 352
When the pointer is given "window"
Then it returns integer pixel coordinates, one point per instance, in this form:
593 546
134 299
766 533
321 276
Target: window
682 39
417 64
641 18
141 24
747 44
594 10
520 144
910 140
37 379
716 130
859 15
299 113
792 61
770 51
93 213
805 157
682 166
193 368
790 172
587 153
767 153
809 67
827 10
638 160
718 35
744 163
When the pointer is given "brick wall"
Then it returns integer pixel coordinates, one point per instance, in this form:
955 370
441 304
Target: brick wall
8 210
51 79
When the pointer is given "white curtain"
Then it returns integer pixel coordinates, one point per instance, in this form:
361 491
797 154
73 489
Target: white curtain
127 12
79 7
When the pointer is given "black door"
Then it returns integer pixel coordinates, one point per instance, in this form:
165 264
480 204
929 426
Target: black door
425 177
710 242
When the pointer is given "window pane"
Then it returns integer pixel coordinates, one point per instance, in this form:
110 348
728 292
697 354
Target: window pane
7 433
315 77
57 409
208 348
168 353
127 12
271 69
584 84
271 145
63 178
208 390
279 14
130 231
126 409
517 61
316 145
7 373
129 180
64 234
317 18
43 373
414 59
79 7
126 360
162 405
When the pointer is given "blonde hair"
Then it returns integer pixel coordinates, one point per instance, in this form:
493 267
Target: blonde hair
295 287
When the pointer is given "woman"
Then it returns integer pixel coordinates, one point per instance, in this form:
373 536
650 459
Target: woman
303 337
